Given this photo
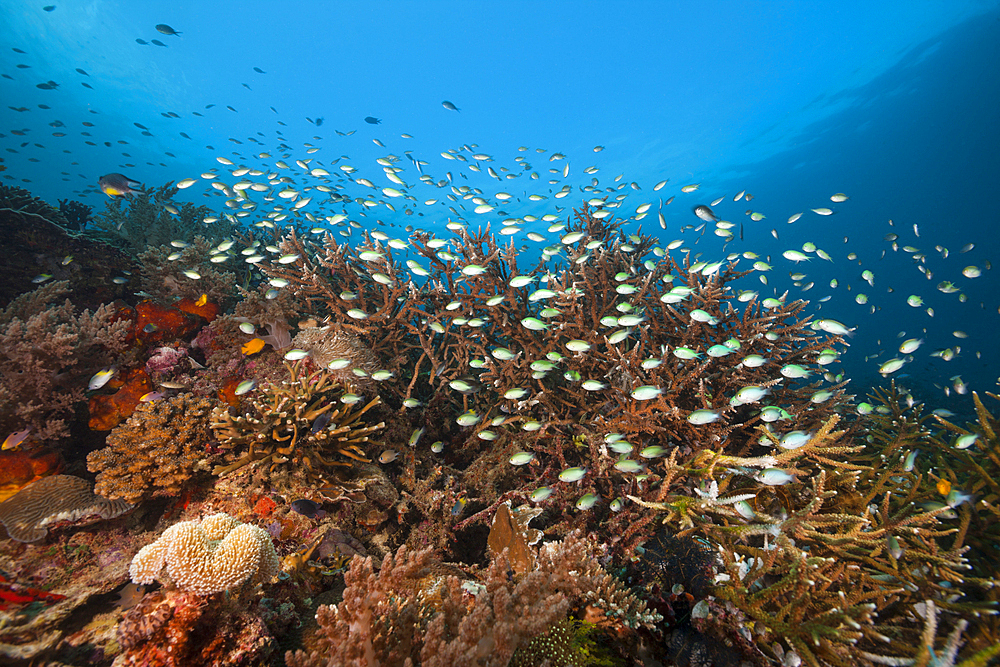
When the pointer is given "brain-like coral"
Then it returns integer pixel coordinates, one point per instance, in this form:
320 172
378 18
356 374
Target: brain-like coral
208 556
156 451
27 514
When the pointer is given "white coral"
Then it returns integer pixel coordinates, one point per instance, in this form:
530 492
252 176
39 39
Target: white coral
209 556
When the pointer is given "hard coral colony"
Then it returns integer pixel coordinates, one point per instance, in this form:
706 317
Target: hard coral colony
610 453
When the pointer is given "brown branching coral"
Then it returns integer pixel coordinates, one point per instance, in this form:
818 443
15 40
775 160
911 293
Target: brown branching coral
299 420
47 353
155 452
822 565
409 608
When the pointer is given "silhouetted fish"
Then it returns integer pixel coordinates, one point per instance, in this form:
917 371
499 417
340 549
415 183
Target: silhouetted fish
117 185
371 120
307 508
166 30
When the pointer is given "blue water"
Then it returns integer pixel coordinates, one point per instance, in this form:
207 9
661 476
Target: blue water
895 105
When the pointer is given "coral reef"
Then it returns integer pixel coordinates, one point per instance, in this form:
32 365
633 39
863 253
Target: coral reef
28 514
296 421
47 352
156 451
209 556
738 507
38 243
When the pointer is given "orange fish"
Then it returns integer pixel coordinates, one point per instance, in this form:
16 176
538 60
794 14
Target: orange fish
202 300
943 487
253 346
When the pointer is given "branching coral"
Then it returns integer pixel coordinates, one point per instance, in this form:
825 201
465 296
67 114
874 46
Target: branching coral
47 352
296 420
163 274
156 451
410 608
213 555
144 219
817 564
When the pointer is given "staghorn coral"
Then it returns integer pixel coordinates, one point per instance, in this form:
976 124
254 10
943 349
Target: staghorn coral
156 451
555 383
410 609
208 556
281 426
47 352
27 514
823 563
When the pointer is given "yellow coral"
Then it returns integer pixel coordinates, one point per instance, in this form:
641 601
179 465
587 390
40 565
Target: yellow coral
209 556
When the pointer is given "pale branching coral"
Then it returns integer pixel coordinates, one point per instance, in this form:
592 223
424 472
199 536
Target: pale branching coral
47 351
164 280
28 513
298 420
210 556
329 344
156 451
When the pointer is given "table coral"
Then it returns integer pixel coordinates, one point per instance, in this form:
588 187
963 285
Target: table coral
28 512
156 451
213 555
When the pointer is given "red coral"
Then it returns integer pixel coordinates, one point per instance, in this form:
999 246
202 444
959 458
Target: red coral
18 468
228 392
207 310
168 323
106 412
264 506
11 594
